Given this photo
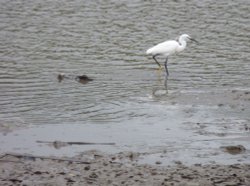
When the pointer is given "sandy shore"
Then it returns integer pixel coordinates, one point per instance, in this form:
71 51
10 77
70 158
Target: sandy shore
96 168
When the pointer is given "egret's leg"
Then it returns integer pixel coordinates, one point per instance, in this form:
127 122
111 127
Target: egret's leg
166 66
160 67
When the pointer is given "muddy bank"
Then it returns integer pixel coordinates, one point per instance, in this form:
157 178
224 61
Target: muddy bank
96 168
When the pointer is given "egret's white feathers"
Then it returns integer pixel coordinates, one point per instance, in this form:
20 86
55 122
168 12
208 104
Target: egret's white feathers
169 47
166 48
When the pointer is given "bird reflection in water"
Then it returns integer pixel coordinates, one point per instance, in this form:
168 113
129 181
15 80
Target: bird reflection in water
163 90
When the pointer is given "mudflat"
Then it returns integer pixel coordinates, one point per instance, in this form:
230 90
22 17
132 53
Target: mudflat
97 168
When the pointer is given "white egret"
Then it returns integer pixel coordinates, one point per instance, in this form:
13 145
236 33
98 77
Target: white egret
168 48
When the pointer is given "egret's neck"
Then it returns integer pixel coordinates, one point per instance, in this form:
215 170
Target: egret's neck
182 45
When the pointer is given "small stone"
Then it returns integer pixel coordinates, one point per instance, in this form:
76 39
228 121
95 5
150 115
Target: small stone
158 162
87 168
93 175
153 173
178 162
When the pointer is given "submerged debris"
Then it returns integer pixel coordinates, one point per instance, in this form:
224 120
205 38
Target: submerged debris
59 144
81 79
60 77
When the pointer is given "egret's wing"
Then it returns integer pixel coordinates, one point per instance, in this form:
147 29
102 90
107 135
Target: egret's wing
165 48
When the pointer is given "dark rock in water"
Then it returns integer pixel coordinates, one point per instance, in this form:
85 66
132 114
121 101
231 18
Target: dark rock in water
237 149
60 77
247 92
83 79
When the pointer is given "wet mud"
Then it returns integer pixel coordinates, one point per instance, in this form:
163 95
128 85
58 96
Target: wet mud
117 169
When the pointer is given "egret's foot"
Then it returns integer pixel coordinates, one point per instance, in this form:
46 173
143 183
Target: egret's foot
160 68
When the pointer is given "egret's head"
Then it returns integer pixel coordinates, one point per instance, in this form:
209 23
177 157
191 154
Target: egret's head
186 37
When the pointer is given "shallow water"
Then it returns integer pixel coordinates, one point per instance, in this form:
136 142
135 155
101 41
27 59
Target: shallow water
127 102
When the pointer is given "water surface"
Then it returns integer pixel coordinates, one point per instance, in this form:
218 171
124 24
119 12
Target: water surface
107 40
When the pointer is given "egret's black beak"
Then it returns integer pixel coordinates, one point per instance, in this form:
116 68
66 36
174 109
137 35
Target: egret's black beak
191 39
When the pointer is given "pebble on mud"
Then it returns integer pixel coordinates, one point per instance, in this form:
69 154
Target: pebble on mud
237 149
158 162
